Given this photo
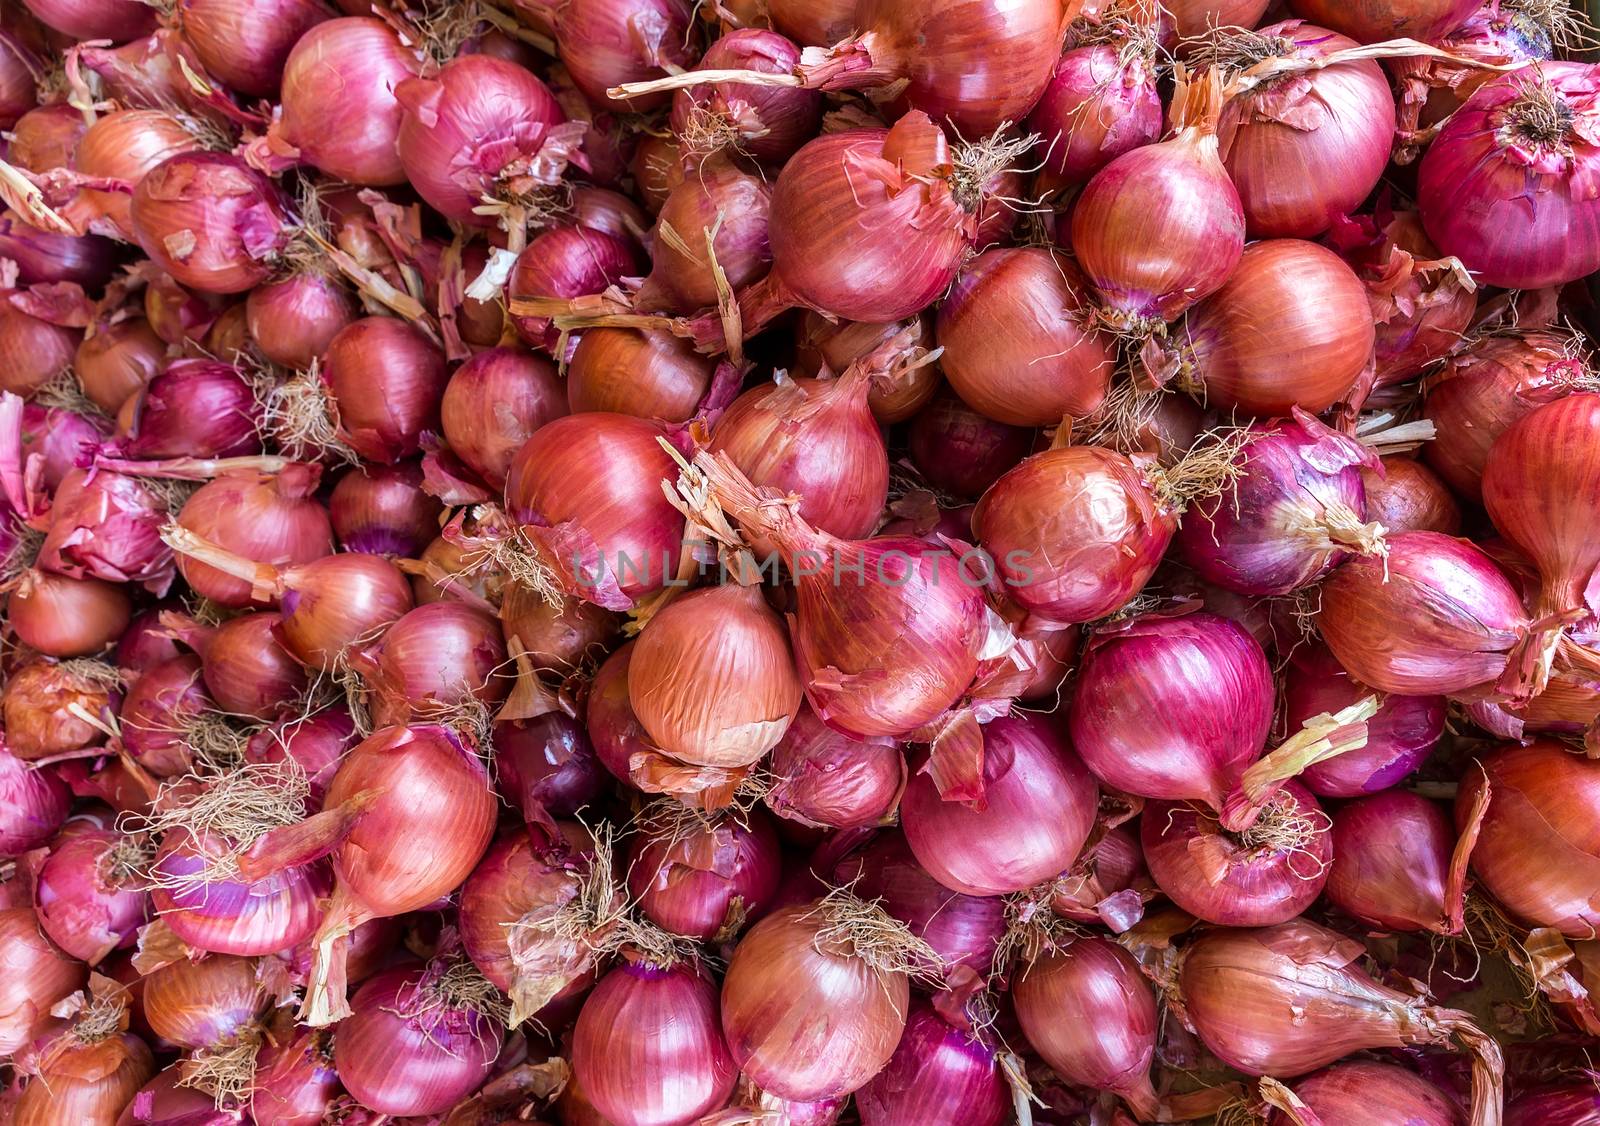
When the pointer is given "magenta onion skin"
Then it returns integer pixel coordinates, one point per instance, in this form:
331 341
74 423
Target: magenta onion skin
248 671
116 20
719 197
105 525
826 779
567 262
84 907
293 320
19 79
195 408
235 916
295 1081
939 1073
383 510
1355 1092
1096 107
387 380
49 256
648 1048
1577 1105
960 451
706 883
1399 738
264 518
211 221
33 803
157 712
1369 21
1391 862
1039 805
493 404
1172 707
60 437
768 123
245 43
546 767
605 43
316 742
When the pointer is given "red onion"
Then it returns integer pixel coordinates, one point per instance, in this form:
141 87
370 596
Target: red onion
1037 809
546 767
814 23
587 491
115 360
1304 149
245 43
233 914
1107 885
160 713
339 109
88 1070
164 1100
1569 706
831 781
1290 328
895 347
1392 864
383 510
179 316
493 404
1356 1091
557 639
45 137
90 896
1370 21
33 800
106 525
817 440
719 199
1472 186
316 743
211 221
1295 513
19 78
292 321
1030 369
124 145
1267 874
615 731
567 262
1089 1012
34 975
209 1005
704 880
1436 617
45 702
657 168
65 617
1161 227
1100 103
1577 1105
960 451
648 1049
938 1073
46 256
195 408
117 20
644 374
386 380
436 663
1410 497
247 669
765 123
267 518
295 1081
605 43
34 348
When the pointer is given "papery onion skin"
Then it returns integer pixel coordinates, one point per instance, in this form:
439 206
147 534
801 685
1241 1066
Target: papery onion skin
125 144
720 199
567 262
1369 21
781 971
1098 105
64 617
1108 883
814 23
1261 345
295 1081
181 316
1391 862
292 321
268 519
387 380
35 804
1410 497
1538 852
960 451
643 374
938 1073
339 107
1359 1091
1016 348
245 44
45 137
195 408
210 221
34 975
828 780
705 882
765 123
546 766
59 437
493 404
85 1084
115 360
86 904
383 510
40 703
1039 804
647 1047
604 44
48 256
247 669
165 1099
316 743
432 662
107 526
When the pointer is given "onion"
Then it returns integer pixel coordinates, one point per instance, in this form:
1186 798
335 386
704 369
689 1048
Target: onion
106 525
195 408
1354 1091
295 1081
1101 101
211 221
1028 370
437 663
339 107
587 491
267 518
938 1073
1303 149
35 802
117 20
428 816
19 77
89 1070
1287 999
179 316
233 914
493 404
826 780
146 643
245 43
1290 328
124 145
703 879
89 895
33 348
1037 809
840 956
547 768
724 204
43 705
46 256
1161 226
59 436
765 123
1436 617
1487 387
165 1099
814 23
383 510
316 743
817 440
418 1041
1536 852
605 43
567 262
1400 737
959 451
34 975
1369 21
1267 874
558 638
1297 511
45 137
115 360
65 617
657 167
894 348
614 730
247 669
161 713
1392 864
1576 1105
643 374
647 1047
1472 186
1108 884
1089 1012
1410 497
292 321
386 380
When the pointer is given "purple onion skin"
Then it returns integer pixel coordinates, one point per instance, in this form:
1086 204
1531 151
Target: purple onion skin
1399 738
701 900
235 917
1118 99
33 803
79 909
1365 1093
961 452
939 1073
1391 861
546 766
1577 1105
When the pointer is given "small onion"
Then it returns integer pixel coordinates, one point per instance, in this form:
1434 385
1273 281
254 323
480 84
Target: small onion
35 801
44 701
64 617
160 712
615 731
33 348
383 510
107 526
566 262
546 767
704 880
834 345
293 320
435 663
493 404
1101 102
724 204
386 380
1392 864
556 638
295 1081
45 137
938 1073
959 451
605 43
644 374
827 780
248 671
1410 497
88 1071
60 437
264 518
117 359
316 743
211 221
766 123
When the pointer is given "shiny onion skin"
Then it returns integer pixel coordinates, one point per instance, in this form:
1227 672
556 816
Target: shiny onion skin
705 880
293 320
1172 707
332 602
650 375
47 256
117 20
211 221
557 639
566 262
722 198
89 896
240 915
1370 21
493 404
339 108
786 970
1437 617
614 730
1297 510
1392 864
41 702
765 123
165 1099
33 350
827 780
816 439
648 1048
295 1081
1288 999
410 1048
45 137
33 803
478 126
1101 102
1399 738
1355 1092
961 452
1410 497
204 1004
1508 185
1016 345
813 23
1575 1105
195 408
1291 327
1305 149
605 43
124 144
547 768
85 1078
115 360
1246 879
265 518
34 975
713 677
1161 226
63 617
386 380
435 663
245 43
247 669
1038 807
587 491
1088 1011
1075 532
938 1073
383 510
1538 850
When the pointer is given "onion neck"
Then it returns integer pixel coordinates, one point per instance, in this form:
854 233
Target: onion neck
266 580
327 984
861 62
1321 738
1337 528
1455 886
